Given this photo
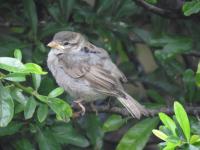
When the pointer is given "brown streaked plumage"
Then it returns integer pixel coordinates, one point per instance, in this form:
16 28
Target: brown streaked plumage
86 72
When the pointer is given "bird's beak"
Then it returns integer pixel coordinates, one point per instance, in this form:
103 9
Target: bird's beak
56 45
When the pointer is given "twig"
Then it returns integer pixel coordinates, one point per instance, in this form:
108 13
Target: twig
159 11
194 54
123 112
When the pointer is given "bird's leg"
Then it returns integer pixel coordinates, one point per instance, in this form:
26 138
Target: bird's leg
78 102
108 102
93 107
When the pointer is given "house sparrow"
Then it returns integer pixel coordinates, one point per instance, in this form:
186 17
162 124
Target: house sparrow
87 73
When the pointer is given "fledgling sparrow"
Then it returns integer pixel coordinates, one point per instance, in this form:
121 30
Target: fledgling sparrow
87 73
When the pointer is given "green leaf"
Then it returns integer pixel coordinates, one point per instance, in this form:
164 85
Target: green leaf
152 1
105 5
36 80
170 146
23 144
33 68
197 77
11 128
160 134
46 140
66 134
168 122
56 92
189 80
30 11
174 47
156 96
66 7
11 64
182 119
17 77
194 139
30 108
18 54
113 123
193 147
61 108
137 136
190 8
6 106
42 112
18 96
93 128
42 98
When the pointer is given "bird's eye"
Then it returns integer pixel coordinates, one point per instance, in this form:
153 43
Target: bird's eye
65 43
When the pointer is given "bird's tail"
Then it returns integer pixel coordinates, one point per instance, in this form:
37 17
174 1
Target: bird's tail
134 108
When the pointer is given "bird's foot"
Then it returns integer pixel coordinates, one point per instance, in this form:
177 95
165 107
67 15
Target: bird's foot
80 105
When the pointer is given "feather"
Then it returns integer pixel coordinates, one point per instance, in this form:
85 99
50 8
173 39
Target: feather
133 107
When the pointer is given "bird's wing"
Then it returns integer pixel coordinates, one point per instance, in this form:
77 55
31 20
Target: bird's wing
99 78
108 62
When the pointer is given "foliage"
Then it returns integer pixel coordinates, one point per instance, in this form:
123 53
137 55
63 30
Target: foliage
176 132
158 55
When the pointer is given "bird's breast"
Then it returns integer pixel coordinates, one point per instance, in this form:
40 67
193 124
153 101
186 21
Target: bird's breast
76 87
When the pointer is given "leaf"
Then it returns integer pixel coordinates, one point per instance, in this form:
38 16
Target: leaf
18 96
105 5
36 80
16 77
6 106
23 144
174 47
66 7
42 112
143 34
113 123
30 11
195 139
30 108
61 108
12 128
93 128
152 1
160 134
11 64
192 147
170 146
66 134
190 8
33 68
182 119
42 98
156 96
137 136
189 80
56 92
46 140
168 122
18 54
197 77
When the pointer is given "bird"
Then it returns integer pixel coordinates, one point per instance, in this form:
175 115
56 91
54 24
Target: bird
87 73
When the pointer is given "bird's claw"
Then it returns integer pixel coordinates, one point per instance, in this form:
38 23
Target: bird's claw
80 105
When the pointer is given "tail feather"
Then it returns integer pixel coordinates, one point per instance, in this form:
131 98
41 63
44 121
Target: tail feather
133 107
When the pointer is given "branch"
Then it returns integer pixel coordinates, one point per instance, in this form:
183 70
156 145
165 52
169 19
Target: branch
123 112
194 54
159 11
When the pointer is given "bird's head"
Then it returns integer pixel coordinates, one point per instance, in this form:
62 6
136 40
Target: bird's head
66 41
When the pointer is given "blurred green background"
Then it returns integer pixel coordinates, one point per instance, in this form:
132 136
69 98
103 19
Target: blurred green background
158 52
